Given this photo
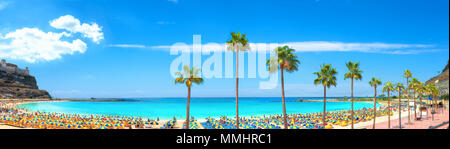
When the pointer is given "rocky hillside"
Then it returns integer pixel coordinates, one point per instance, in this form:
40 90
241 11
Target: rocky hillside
443 79
14 85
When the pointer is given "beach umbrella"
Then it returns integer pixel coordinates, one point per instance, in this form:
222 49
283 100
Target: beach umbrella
69 126
267 127
103 127
220 127
294 127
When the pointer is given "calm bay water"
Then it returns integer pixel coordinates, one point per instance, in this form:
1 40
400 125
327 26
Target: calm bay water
167 108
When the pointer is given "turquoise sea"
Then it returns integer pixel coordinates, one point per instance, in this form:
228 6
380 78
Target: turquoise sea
167 108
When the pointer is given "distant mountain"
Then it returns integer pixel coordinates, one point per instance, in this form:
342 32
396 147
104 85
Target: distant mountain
443 79
19 84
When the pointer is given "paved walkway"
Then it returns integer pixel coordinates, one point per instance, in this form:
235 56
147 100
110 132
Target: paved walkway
427 121
3 126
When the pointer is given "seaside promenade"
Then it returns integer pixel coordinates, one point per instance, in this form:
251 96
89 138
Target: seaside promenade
426 121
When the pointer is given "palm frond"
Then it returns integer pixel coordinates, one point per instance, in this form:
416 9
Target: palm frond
399 87
180 80
407 74
375 82
272 64
285 58
188 76
326 76
187 71
353 71
388 87
237 42
197 80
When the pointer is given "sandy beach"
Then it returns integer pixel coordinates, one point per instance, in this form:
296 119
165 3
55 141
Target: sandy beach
380 121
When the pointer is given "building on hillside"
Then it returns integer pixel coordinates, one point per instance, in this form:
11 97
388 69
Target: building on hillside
8 67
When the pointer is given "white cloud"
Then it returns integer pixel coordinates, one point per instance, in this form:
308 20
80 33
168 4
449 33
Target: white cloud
3 4
32 44
127 46
318 46
314 46
73 25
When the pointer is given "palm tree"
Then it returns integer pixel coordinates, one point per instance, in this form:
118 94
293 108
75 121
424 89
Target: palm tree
188 77
287 61
429 90
408 75
237 43
414 85
400 88
435 93
432 91
387 88
421 90
374 83
326 77
353 73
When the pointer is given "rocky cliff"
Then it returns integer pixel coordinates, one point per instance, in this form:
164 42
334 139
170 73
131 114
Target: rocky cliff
443 80
13 85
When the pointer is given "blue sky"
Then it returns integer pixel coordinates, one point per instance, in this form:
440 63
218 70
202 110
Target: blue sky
112 50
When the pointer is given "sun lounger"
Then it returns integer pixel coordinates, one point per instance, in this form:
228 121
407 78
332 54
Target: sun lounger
148 126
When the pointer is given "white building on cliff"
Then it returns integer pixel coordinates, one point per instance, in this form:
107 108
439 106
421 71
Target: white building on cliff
8 67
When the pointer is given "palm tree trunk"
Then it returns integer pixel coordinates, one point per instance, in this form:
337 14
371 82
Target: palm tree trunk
324 105
420 103
237 85
187 109
389 111
374 107
435 103
353 113
282 98
409 107
414 99
409 111
399 110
